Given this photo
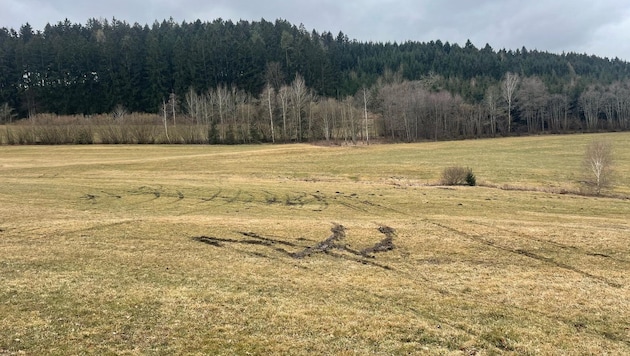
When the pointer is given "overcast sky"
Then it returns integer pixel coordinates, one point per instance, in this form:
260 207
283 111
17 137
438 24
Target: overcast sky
600 27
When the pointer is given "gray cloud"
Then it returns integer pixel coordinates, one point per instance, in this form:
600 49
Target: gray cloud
593 27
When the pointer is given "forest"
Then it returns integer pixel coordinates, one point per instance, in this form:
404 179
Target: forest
261 81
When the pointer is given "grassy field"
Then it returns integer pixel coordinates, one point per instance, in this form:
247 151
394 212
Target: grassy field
301 249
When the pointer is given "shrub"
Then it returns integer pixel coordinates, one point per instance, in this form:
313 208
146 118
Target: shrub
82 134
471 180
458 175
20 135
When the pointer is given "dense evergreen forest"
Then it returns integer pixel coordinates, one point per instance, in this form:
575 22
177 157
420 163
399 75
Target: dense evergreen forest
275 81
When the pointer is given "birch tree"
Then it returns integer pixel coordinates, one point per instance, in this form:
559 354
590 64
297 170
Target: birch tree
299 94
6 113
365 113
283 95
491 101
508 90
598 166
268 97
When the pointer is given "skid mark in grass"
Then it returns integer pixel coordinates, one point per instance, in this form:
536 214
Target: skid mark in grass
595 254
270 198
257 240
386 244
249 198
239 197
214 196
553 243
291 200
321 199
298 200
333 241
381 207
111 195
211 240
144 190
354 207
328 246
100 227
235 197
267 239
525 253
567 267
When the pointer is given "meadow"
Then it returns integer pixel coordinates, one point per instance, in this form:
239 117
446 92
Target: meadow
304 249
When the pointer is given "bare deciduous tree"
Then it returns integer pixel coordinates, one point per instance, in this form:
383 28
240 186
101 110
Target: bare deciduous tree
268 96
558 109
283 95
165 114
194 105
508 89
274 75
491 101
590 103
119 112
532 100
598 166
299 97
365 112
172 103
6 113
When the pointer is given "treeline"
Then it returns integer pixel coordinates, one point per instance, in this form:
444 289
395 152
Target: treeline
393 109
276 82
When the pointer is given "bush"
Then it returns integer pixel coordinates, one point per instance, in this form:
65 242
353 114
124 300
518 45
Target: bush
458 176
82 134
470 178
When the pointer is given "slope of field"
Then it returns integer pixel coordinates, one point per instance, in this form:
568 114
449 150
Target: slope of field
300 249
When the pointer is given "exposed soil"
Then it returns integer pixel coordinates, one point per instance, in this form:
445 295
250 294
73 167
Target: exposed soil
326 246
333 241
386 244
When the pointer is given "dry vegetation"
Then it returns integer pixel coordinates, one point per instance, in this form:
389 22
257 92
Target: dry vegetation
134 128
298 249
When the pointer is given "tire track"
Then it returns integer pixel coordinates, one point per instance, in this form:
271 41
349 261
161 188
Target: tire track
328 246
525 253
552 243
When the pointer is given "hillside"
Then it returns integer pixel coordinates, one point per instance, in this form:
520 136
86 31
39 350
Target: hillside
102 66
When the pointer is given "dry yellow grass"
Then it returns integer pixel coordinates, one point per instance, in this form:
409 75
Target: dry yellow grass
191 250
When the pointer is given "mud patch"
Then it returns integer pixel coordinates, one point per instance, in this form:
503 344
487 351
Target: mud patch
334 245
333 241
209 240
386 244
